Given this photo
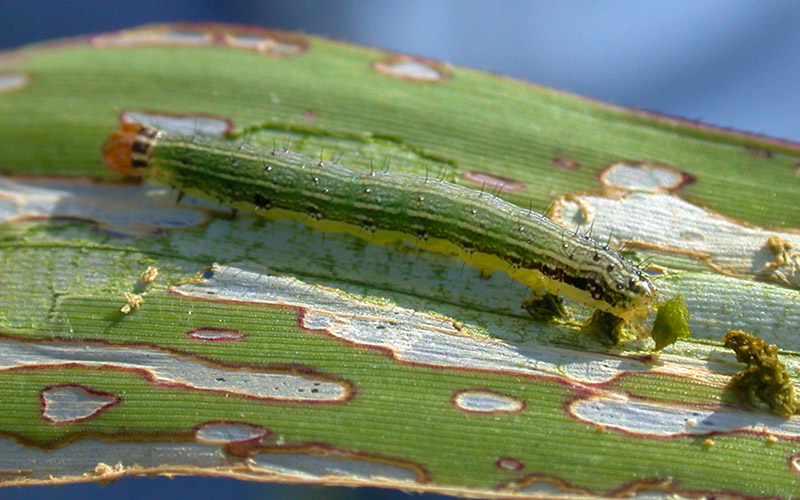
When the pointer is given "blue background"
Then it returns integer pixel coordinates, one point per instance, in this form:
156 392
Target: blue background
729 63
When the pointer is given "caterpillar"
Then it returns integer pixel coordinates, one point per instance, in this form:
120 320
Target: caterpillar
385 207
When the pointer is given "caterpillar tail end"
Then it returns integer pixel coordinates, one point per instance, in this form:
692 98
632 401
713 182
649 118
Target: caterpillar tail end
121 147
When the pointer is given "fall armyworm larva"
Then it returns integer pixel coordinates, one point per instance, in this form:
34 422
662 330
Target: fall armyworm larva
384 207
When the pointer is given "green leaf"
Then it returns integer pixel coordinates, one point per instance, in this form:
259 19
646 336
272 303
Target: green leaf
266 350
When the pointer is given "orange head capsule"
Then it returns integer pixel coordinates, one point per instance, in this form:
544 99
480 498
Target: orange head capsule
127 150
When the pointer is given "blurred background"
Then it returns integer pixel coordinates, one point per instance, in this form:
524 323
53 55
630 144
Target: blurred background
732 63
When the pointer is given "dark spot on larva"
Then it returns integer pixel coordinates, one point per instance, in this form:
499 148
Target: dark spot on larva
759 153
610 268
420 198
422 234
368 225
141 147
412 68
594 289
596 257
13 81
261 201
588 284
493 182
314 212
472 211
315 180
193 124
515 261
566 162
309 115
556 273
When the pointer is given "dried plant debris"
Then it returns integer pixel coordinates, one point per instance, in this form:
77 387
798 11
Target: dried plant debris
765 382
785 267
135 300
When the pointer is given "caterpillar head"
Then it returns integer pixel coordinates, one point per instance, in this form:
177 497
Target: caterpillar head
127 150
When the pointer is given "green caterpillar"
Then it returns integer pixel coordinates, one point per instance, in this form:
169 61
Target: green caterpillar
384 207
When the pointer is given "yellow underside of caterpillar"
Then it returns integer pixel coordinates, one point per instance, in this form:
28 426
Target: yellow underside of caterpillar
484 261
